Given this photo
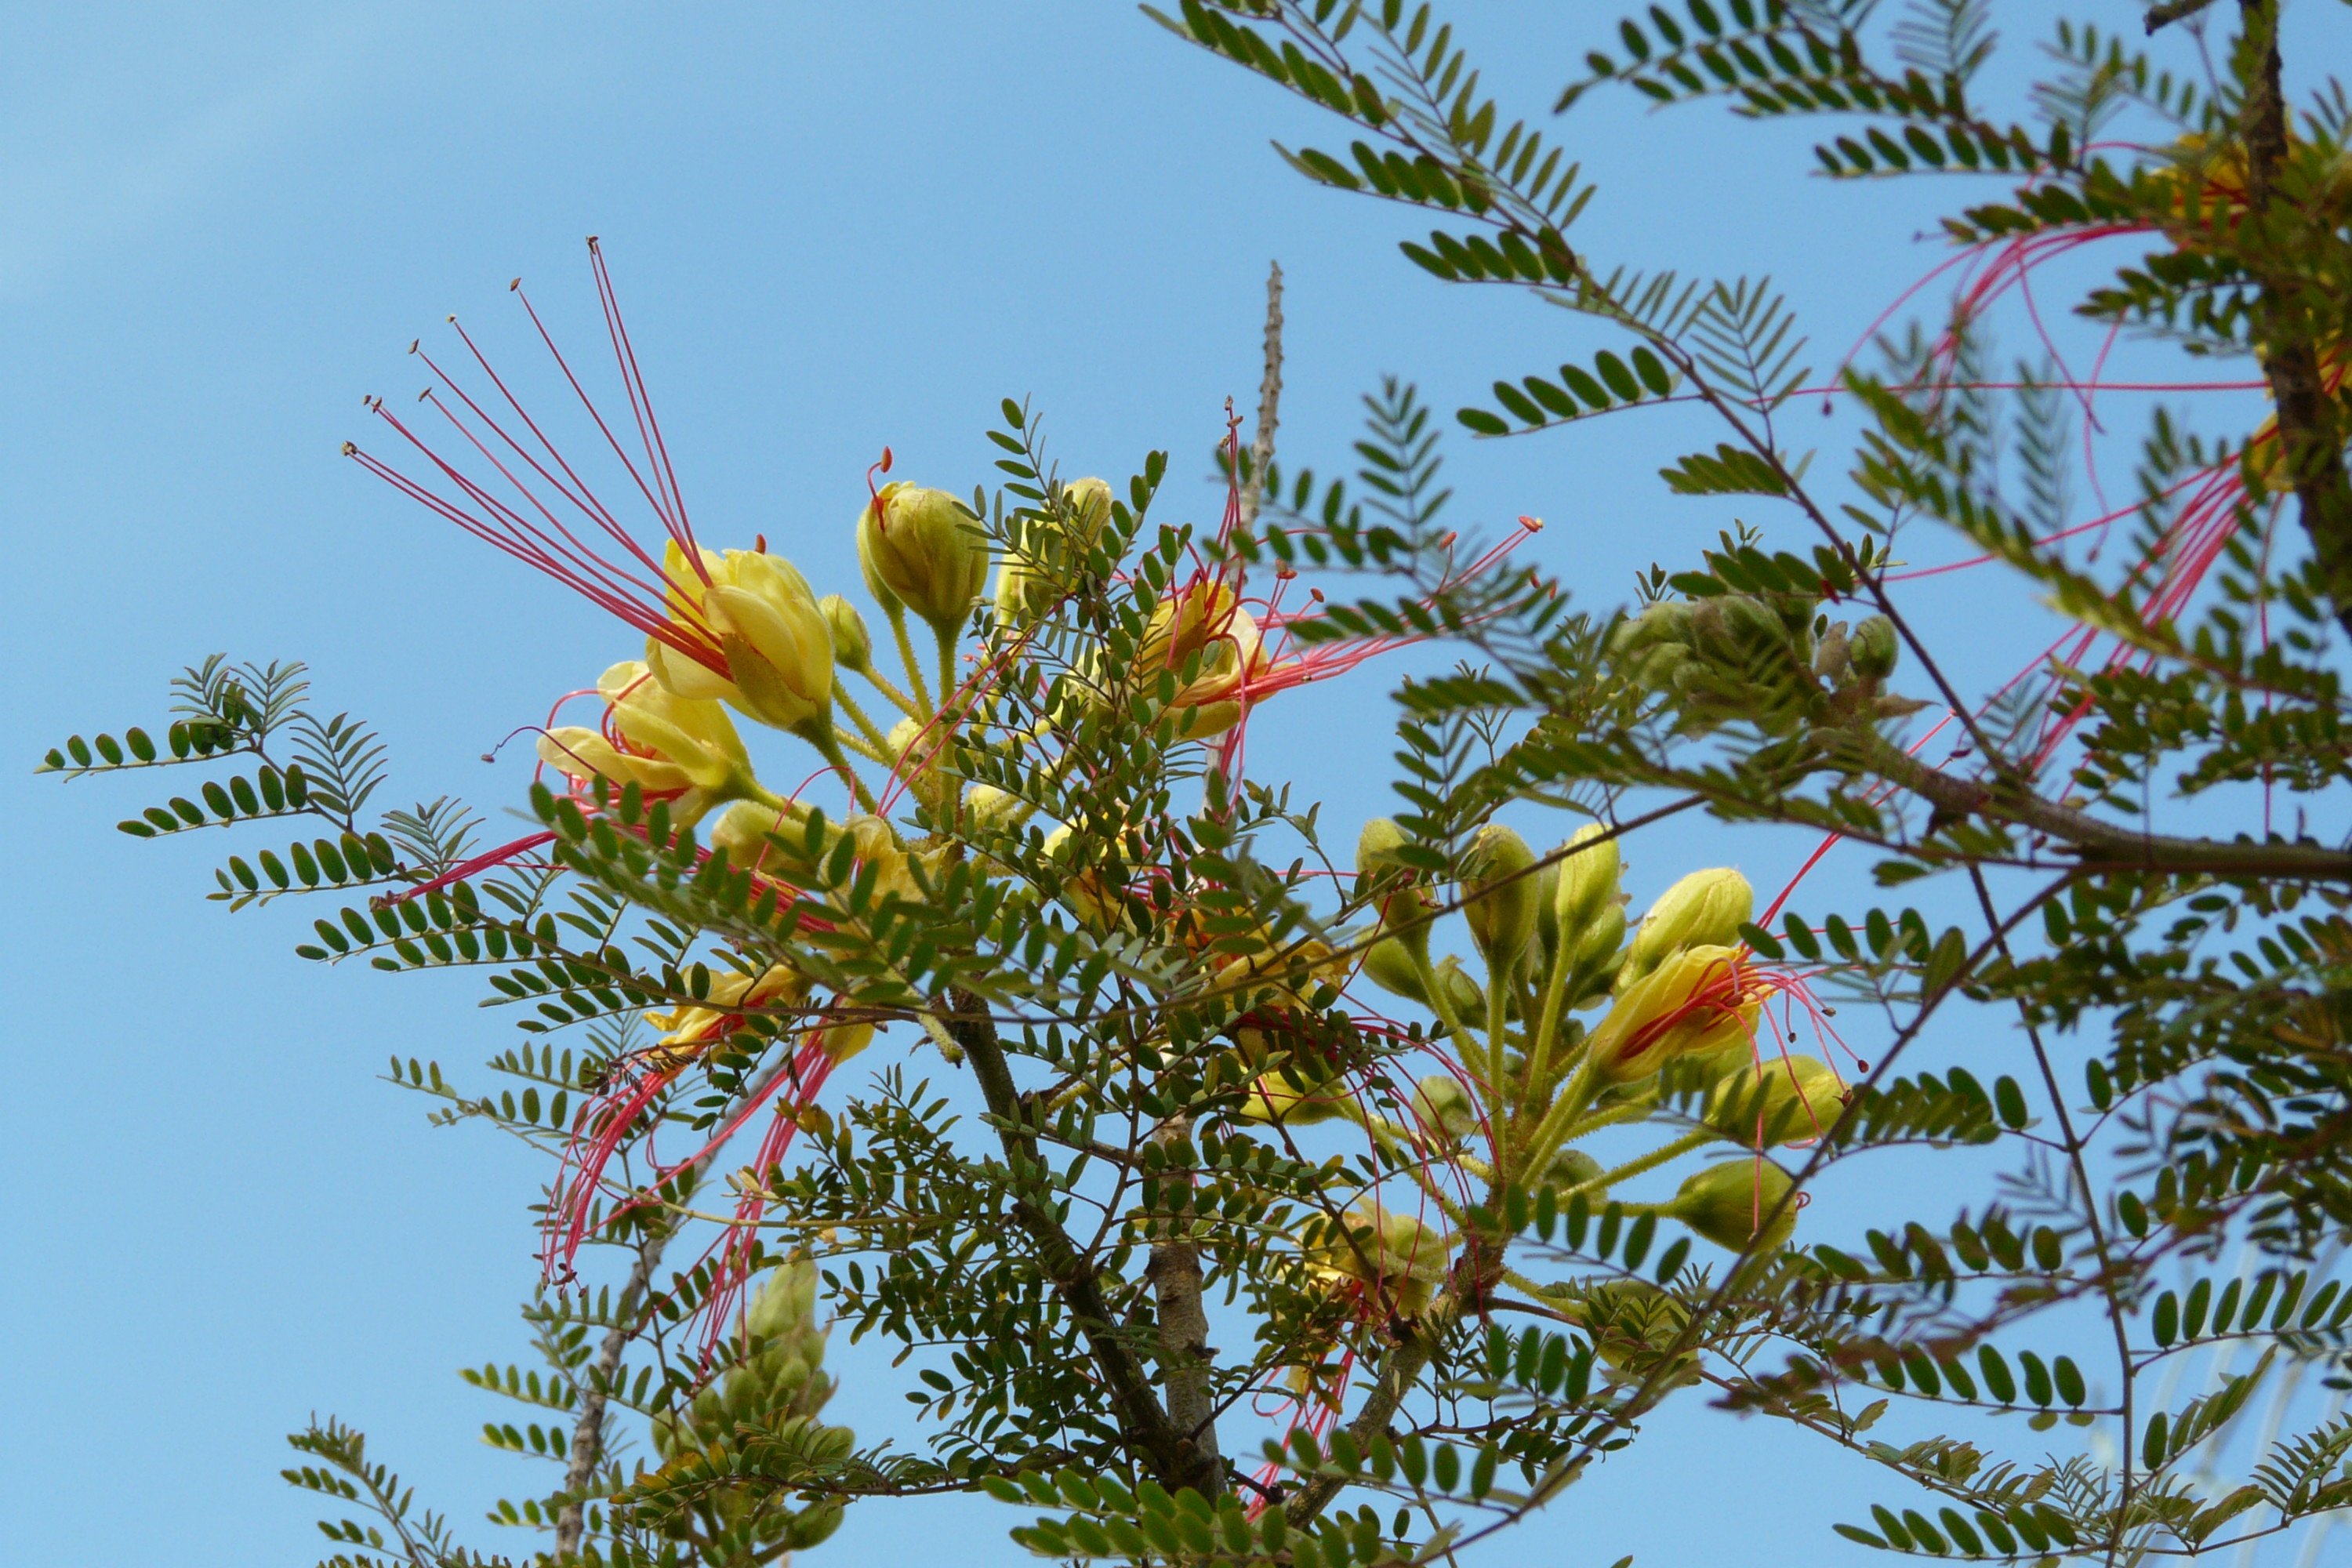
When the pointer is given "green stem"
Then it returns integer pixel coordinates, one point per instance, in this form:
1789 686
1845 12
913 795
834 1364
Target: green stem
1575 1095
925 707
872 731
1439 1003
1649 1161
828 746
899 699
947 639
1497 1092
872 754
1548 1016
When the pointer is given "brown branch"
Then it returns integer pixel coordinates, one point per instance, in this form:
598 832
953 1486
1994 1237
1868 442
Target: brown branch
1167 1451
1186 1360
2163 16
2104 844
2311 436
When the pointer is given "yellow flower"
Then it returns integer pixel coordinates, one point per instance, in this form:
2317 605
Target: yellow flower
1696 1003
583 754
691 732
776 642
1207 622
688 1030
670 745
743 832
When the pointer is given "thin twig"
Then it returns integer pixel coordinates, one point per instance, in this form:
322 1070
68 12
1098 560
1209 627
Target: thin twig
1269 399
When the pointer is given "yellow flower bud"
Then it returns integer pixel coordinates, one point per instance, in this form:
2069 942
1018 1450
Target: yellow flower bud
1695 1003
1573 1169
1587 878
853 646
744 831
1026 579
1725 1204
1283 1097
1398 1254
1089 503
1388 966
1705 908
1600 937
1406 908
1792 1099
778 646
1498 889
1443 1107
1086 892
923 549
920 754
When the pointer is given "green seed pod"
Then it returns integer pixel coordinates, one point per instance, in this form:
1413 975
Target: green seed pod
1498 889
1726 1202
1705 908
1786 1100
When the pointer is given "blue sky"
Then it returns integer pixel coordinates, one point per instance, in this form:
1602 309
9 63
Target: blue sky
833 228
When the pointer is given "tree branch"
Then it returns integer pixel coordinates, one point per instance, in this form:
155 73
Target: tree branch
2102 843
1169 1453
1186 1360
2163 16
2311 438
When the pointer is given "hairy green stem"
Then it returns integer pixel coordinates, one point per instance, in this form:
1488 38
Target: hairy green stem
924 708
